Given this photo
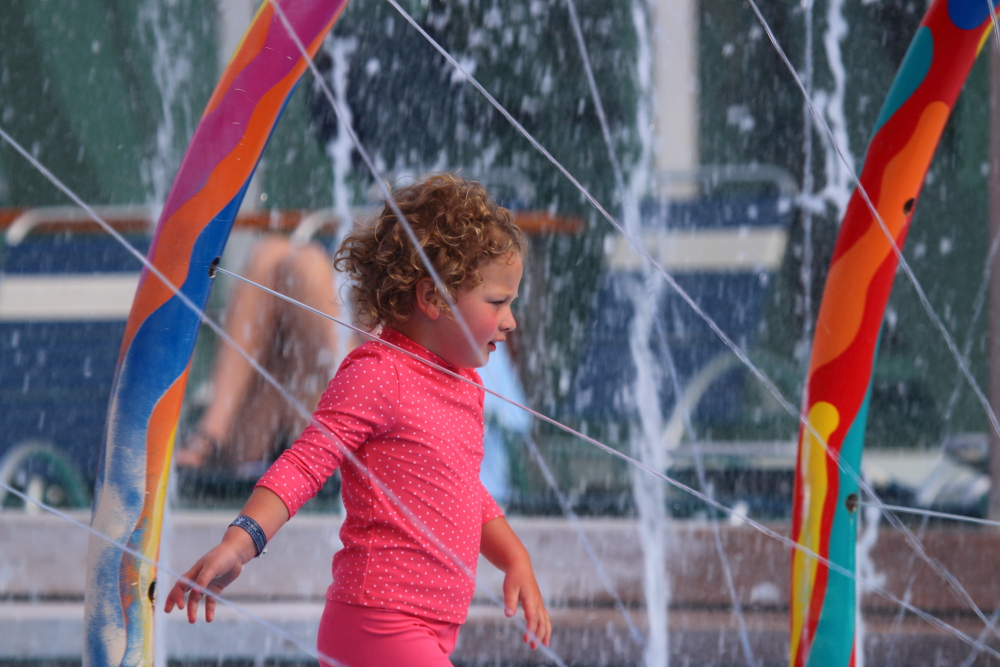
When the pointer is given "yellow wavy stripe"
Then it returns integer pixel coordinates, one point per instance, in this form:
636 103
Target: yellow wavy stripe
987 31
823 418
159 445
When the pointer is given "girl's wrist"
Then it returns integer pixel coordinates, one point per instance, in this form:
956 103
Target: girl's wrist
514 560
239 540
521 562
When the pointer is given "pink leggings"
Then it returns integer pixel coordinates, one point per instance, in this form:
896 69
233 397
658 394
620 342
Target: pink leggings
357 636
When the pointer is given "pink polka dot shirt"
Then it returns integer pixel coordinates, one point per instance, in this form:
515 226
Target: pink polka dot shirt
420 433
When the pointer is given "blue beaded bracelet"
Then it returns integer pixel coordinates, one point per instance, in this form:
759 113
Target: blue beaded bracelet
255 531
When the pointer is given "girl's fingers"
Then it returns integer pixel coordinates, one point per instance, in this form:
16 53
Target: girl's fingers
538 627
510 598
213 572
175 598
168 605
193 598
210 606
532 623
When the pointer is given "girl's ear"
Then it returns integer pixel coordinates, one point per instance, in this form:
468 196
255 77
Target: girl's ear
428 299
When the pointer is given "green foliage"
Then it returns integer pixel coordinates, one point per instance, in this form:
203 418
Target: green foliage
76 91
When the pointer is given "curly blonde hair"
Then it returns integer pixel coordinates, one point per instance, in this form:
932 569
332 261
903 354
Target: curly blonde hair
458 226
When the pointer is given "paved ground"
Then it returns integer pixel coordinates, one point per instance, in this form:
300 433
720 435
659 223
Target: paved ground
42 573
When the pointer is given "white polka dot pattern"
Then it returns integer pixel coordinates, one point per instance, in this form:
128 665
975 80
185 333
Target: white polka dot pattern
420 432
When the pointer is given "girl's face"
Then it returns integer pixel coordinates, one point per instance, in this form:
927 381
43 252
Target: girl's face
486 309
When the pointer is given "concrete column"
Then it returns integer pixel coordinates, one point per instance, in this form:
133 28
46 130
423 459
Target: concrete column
993 331
675 80
235 17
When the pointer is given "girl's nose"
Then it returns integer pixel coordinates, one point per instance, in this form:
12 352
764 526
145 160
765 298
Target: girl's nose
508 323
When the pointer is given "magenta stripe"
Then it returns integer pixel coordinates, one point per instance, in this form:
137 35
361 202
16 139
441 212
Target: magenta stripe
221 131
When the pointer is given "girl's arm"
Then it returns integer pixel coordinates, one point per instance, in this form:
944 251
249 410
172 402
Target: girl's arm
220 566
502 548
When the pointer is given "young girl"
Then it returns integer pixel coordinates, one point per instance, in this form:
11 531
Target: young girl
417 515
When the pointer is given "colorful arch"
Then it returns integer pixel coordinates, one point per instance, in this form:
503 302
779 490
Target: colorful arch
850 318
153 363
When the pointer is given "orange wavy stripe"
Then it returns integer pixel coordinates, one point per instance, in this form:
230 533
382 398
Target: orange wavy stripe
220 189
159 446
842 311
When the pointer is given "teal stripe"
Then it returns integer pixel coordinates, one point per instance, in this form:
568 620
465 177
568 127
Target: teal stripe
834 639
911 74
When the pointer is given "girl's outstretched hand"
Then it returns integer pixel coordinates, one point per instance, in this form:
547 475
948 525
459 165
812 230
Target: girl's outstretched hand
519 585
220 566
213 572
501 547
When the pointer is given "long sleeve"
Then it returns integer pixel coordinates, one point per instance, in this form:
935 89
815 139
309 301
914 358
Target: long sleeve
491 510
358 404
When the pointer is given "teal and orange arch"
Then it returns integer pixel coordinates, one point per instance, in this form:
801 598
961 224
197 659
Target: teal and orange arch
850 317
